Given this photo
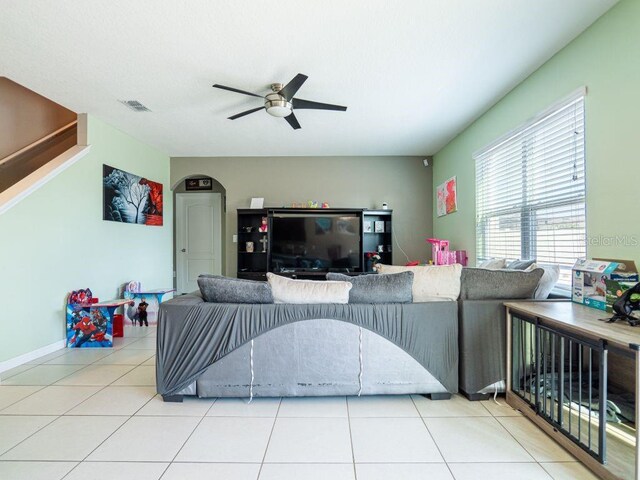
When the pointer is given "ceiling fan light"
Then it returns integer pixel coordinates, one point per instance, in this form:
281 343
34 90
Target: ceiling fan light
277 105
279 111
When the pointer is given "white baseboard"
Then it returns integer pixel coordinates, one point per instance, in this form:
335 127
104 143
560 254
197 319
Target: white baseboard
27 357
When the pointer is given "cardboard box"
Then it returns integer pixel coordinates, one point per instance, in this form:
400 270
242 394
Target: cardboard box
615 289
588 279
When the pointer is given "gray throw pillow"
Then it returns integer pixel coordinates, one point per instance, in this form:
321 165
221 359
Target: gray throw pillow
520 264
375 288
218 289
483 284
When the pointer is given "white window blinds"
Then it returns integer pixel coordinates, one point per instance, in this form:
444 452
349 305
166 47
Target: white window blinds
530 191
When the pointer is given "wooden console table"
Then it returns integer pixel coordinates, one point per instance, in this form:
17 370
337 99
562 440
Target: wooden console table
557 373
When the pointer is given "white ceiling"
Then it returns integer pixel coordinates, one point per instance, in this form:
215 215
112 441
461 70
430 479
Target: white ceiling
413 73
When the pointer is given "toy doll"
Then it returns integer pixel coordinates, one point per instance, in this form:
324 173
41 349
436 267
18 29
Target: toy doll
142 312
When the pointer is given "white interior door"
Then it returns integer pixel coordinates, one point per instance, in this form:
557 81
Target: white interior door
198 238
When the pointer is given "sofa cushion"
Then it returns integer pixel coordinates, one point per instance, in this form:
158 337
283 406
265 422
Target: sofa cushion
520 264
484 284
493 263
218 289
442 281
287 290
395 288
548 280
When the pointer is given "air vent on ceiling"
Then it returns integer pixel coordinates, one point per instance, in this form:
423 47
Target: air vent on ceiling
135 105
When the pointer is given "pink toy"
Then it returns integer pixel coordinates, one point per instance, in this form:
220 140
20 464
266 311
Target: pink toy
461 257
263 227
441 255
439 251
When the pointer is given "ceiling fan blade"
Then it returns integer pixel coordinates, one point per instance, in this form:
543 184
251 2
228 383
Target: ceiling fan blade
299 103
242 114
293 121
231 89
293 86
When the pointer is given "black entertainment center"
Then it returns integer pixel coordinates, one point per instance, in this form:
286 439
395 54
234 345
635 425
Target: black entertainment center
309 242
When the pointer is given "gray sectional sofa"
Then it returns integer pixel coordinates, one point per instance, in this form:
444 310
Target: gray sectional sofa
243 350
482 325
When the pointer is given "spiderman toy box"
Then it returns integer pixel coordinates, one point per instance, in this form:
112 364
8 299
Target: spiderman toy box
88 324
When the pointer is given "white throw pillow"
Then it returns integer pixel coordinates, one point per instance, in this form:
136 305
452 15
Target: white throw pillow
287 290
547 281
442 281
494 264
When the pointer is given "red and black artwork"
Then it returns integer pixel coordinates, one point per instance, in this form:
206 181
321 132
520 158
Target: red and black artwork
129 198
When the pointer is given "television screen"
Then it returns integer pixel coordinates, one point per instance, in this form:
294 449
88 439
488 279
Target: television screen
323 242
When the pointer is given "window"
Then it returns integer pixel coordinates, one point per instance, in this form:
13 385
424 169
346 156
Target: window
530 191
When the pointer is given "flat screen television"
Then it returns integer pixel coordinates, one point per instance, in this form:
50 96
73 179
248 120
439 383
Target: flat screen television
316 242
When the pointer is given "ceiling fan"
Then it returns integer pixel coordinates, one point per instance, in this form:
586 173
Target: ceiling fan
281 103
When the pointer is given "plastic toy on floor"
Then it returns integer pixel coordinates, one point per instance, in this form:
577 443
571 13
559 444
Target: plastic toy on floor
89 323
87 326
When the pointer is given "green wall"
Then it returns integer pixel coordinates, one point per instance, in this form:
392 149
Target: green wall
55 241
605 58
362 182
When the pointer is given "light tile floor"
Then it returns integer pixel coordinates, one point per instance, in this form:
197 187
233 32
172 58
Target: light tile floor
94 414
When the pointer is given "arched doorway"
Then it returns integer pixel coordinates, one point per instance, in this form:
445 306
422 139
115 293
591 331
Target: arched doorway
198 230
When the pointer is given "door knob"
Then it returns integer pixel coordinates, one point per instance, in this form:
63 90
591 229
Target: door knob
183 250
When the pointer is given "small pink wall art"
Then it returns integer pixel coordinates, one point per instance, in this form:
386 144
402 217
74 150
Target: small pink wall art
447 199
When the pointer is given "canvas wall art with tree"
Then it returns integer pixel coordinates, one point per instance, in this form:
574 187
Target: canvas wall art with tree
129 198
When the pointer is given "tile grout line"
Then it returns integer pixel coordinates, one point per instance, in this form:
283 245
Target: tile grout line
82 366
186 439
32 362
100 388
531 454
108 436
42 387
130 416
353 452
115 431
54 383
98 446
166 469
64 414
518 441
123 423
27 438
431 436
57 417
92 395
273 427
31 366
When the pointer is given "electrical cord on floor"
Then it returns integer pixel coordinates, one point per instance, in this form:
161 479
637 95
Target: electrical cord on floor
360 357
393 232
495 394
252 376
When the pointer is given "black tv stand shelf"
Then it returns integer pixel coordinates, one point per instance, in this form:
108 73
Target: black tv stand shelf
350 235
